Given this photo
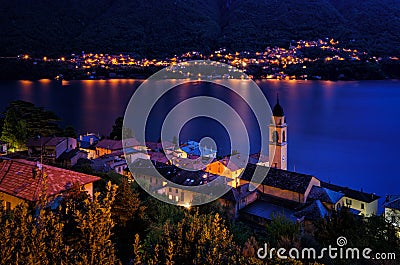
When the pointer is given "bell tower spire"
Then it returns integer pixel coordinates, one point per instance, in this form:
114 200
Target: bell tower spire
278 138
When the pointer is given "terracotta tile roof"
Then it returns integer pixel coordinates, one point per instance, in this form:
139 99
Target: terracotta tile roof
16 179
110 144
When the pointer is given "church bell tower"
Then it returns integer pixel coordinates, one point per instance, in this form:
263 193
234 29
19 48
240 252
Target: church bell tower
278 138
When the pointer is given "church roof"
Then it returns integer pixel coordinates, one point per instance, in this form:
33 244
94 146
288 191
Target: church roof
278 178
277 111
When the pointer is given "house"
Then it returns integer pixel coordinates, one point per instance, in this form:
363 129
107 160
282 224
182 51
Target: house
50 147
131 154
310 213
106 162
88 143
365 204
119 166
280 183
180 177
259 159
161 147
392 210
329 198
172 191
22 180
135 144
70 158
230 167
3 148
238 198
107 146
193 148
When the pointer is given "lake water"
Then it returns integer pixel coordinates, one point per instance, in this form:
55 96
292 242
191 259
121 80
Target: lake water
345 132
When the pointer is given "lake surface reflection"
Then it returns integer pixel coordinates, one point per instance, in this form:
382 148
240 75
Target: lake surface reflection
346 132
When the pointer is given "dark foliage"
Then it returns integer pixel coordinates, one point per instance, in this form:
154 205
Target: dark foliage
159 28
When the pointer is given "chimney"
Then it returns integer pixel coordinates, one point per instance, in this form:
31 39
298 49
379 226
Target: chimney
36 170
80 137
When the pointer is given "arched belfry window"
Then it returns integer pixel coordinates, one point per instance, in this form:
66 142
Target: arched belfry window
275 137
284 136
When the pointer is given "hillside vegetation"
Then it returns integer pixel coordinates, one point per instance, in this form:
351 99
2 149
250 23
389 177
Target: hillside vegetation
163 28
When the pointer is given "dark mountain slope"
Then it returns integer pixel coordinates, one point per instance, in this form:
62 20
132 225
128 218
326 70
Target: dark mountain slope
159 28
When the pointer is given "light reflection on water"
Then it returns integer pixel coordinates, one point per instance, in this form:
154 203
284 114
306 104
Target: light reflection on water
346 132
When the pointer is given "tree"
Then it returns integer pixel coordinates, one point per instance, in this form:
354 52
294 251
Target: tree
281 230
32 236
128 214
95 225
372 232
120 131
14 131
197 239
137 251
23 120
69 131
116 132
127 205
38 121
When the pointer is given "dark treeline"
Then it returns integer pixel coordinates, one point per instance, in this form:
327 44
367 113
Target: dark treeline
156 29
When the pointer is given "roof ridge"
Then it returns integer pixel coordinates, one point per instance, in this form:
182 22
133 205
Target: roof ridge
394 200
35 195
6 171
